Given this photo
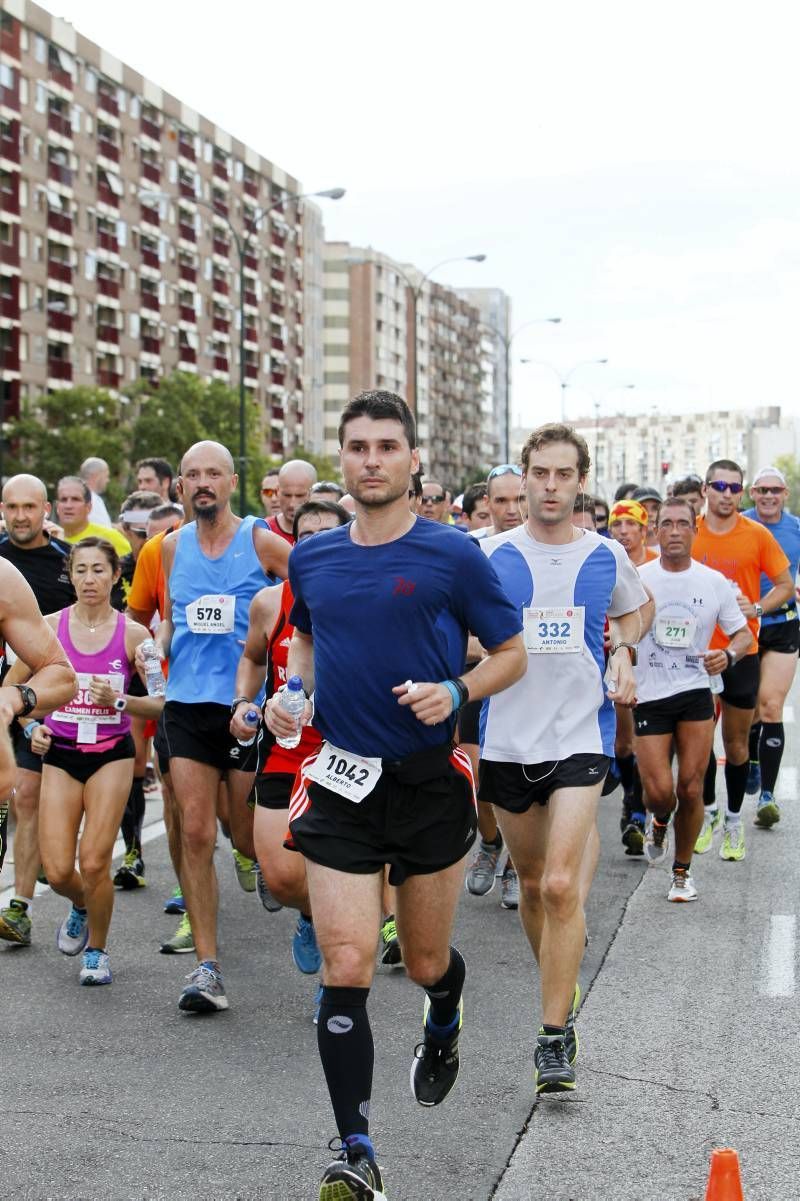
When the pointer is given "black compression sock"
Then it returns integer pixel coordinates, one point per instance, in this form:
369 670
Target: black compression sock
445 994
347 1052
627 769
772 740
755 735
735 784
133 817
710 782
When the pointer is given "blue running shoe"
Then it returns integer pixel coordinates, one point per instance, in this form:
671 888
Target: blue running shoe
175 903
73 933
96 968
317 1004
305 951
753 777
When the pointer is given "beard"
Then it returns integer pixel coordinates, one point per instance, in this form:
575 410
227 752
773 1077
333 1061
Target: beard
373 501
207 513
23 537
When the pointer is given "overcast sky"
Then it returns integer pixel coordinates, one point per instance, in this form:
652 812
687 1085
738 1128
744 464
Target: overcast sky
631 167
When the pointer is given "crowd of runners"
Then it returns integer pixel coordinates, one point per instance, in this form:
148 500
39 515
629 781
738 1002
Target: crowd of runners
508 656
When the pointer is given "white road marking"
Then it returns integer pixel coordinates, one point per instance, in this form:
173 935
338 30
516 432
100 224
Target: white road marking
786 786
149 834
778 978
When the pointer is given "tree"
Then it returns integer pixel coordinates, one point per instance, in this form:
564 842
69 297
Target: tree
791 469
53 438
326 467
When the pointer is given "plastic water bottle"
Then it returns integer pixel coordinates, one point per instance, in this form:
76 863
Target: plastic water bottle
153 675
293 700
716 684
252 717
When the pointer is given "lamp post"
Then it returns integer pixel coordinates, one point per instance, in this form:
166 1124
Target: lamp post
597 405
505 341
564 378
242 241
57 306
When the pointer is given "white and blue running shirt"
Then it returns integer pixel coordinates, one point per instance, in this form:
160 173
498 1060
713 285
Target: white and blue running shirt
563 593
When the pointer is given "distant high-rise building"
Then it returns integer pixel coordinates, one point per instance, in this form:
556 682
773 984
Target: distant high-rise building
494 306
118 264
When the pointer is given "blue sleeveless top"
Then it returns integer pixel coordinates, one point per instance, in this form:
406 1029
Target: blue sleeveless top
210 607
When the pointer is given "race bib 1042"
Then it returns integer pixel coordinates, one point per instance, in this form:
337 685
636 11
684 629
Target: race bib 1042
211 615
554 631
348 775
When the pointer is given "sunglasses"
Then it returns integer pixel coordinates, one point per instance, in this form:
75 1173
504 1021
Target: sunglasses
504 469
432 500
269 491
722 486
765 490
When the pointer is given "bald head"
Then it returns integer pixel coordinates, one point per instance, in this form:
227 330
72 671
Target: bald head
208 450
294 489
95 473
25 510
207 480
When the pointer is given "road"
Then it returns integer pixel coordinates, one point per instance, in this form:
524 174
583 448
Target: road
688 1041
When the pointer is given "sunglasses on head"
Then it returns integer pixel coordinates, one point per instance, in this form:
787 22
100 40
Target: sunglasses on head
768 490
436 499
504 469
723 486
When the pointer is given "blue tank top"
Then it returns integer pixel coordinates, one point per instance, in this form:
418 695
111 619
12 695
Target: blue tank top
786 531
210 607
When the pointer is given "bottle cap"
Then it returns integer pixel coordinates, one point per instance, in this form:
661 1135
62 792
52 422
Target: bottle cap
295 684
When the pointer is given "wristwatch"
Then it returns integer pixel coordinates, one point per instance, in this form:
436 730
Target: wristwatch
634 651
731 656
121 704
239 700
29 701
759 611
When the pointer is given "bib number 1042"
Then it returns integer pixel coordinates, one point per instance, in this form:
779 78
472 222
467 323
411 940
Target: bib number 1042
343 767
344 773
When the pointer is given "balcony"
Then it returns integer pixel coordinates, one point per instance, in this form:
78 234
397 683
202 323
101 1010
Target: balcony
251 299
150 214
187 232
59 369
250 186
106 196
9 252
149 300
220 325
219 206
9 143
108 379
9 197
60 174
11 93
9 304
62 78
251 370
187 313
151 345
9 357
220 247
10 40
60 271
107 287
108 333
61 321
219 285
276 446
186 190
251 262
187 273
186 149
220 170
220 363
107 102
278 277
60 222
278 412
151 128
150 172
187 354
108 149
277 344
278 240
150 258
106 241
250 334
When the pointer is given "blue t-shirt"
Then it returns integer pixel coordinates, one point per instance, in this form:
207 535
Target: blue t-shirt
381 615
786 531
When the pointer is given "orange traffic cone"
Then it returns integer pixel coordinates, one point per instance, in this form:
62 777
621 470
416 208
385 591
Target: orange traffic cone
724 1181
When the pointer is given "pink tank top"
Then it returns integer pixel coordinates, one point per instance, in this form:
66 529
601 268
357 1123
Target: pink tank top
83 725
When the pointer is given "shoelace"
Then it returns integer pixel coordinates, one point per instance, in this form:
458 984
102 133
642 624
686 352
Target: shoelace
679 879
550 1055
389 931
485 861
204 978
92 960
659 833
75 924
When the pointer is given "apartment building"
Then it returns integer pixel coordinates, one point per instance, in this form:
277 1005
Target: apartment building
122 217
387 327
494 306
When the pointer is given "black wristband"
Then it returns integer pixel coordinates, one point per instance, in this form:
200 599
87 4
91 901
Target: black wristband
463 693
729 655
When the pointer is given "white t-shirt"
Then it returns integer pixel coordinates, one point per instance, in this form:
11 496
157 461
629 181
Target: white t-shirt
98 512
689 604
560 706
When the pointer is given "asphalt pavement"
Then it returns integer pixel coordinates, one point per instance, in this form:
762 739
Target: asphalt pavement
688 1041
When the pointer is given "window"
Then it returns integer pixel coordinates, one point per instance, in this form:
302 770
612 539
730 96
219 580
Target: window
40 49
90 80
136 107
122 233
76 118
23 193
89 265
134 324
23 244
172 170
37 248
7 77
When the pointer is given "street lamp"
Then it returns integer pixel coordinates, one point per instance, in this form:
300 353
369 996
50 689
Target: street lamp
506 340
597 405
242 241
56 306
564 379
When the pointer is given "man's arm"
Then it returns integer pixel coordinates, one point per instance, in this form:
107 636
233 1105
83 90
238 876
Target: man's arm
782 590
272 551
250 672
34 641
163 636
715 662
502 667
627 627
300 663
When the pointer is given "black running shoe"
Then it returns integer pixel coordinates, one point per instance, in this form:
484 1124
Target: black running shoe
435 1067
352 1177
554 1072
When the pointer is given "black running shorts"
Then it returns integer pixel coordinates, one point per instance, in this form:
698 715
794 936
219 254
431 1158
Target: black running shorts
780 636
517 786
274 790
740 683
201 732
662 716
25 757
82 765
416 825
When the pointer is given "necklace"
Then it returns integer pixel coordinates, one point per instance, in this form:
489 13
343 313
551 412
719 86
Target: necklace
96 625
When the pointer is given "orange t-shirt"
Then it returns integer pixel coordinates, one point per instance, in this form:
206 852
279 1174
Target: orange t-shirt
651 554
148 587
740 555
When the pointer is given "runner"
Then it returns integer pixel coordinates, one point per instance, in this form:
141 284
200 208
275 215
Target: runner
269 492
691 486
214 566
434 502
742 550
675 707
155 475
543 765
778 643
73 505
268 637
42 561
420 587
651 499
295 480
327 490
476 507
95 474
88 755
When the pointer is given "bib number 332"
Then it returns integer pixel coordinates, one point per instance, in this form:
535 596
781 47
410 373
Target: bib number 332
554 631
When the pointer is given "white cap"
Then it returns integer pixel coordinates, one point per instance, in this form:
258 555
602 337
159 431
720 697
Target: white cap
765 471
